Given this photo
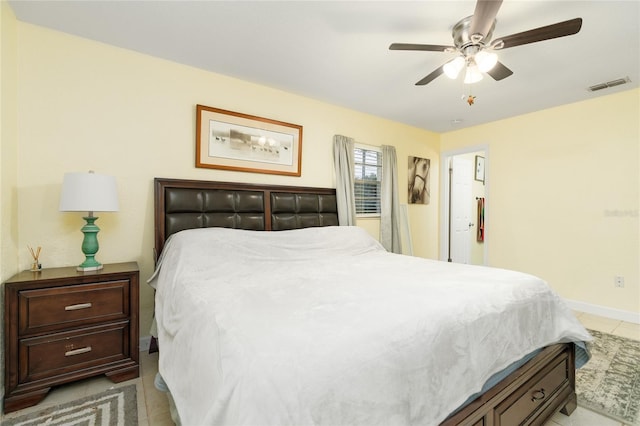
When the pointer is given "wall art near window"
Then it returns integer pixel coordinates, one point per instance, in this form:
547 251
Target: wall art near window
234 141
419 171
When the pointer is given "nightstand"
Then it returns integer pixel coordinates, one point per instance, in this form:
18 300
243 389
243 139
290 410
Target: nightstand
63 325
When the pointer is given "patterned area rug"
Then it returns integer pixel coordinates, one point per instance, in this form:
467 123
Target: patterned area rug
609 383
115 407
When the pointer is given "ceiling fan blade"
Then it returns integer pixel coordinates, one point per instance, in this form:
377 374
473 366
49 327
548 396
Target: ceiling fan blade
424 47
428 79
561 29
484 16
499 71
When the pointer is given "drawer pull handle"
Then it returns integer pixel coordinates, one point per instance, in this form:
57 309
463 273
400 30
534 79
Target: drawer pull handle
537 395
78 351
78 306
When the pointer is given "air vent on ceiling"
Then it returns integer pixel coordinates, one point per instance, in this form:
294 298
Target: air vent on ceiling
608 84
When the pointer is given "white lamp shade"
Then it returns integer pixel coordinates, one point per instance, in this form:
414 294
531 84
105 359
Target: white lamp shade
473 74
486 60
453 67
88 192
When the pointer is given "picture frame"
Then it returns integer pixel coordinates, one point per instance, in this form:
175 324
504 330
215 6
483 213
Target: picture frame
419 172
230 140
479 170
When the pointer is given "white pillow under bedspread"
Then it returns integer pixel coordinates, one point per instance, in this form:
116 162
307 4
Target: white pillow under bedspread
323 326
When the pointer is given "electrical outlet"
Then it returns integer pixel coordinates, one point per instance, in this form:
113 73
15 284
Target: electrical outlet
618 281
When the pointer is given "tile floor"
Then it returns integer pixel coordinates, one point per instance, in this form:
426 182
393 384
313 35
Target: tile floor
153 407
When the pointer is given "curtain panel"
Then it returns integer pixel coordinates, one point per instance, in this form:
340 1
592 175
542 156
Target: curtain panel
345 170
390 202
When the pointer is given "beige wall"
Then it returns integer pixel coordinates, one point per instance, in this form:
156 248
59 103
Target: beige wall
8 156
84 105
8 142
564 196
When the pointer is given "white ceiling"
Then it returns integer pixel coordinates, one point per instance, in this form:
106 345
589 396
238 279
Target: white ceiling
337 51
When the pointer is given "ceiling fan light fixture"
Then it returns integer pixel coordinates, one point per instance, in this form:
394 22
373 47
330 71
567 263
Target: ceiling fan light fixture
473 40
473 74
486 60
453 67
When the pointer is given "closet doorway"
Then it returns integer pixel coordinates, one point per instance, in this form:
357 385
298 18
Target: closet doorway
464 190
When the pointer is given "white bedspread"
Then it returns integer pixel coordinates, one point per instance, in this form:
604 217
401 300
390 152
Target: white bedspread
323 326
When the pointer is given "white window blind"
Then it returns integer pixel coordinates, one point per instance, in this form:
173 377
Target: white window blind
368 175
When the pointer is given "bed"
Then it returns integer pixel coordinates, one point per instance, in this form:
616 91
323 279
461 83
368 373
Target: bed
318 324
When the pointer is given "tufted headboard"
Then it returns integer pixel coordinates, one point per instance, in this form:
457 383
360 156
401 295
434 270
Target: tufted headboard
186 204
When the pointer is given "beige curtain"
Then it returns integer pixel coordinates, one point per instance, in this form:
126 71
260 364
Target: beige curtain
344 164
389 202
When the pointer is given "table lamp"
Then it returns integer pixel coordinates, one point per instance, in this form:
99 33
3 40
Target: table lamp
90 192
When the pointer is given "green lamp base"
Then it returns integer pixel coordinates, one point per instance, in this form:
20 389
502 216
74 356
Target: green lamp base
90 245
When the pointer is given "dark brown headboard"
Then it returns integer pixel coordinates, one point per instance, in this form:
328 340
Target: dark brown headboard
186 204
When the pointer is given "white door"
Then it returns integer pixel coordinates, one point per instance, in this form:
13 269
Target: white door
461 193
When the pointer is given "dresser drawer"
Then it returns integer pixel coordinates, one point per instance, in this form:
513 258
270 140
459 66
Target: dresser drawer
58 308
61 353
534 394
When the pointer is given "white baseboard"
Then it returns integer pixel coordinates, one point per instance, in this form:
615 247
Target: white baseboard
604 311
145 341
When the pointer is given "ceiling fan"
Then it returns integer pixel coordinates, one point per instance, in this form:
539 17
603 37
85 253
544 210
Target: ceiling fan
472 39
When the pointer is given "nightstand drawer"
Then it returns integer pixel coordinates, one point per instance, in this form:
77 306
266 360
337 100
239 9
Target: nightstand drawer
61 353
63 307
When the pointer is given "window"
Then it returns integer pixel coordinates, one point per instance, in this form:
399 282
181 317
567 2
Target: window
368 173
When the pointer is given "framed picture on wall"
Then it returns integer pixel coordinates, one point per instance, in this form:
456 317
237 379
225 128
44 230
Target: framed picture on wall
231 140
479 175
419 177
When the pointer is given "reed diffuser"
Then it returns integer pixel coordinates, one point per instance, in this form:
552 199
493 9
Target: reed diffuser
36 265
